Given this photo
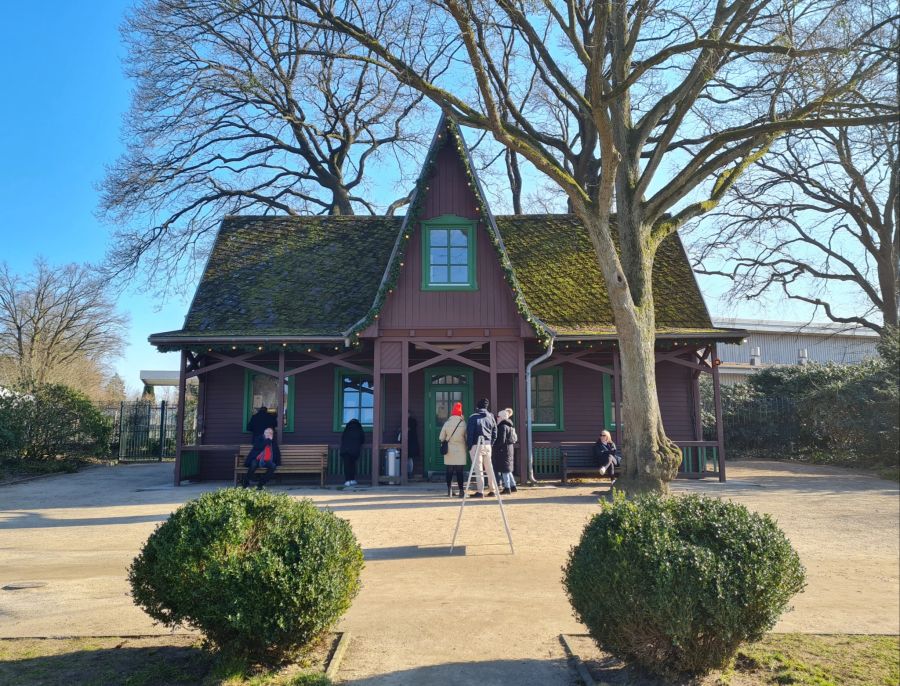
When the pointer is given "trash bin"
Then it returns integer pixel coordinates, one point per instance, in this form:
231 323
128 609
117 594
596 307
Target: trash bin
393 462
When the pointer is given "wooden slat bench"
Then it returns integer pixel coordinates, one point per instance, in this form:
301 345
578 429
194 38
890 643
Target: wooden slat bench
295 459
578 458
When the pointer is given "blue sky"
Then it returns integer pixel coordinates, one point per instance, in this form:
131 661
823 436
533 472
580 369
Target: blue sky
64 97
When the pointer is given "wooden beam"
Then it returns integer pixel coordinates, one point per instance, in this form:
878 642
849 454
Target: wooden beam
179 419
404 411
574 358
322 360
226 361
617 393
493 375
280 396
522 419
376 414
455 354
720 429
240 361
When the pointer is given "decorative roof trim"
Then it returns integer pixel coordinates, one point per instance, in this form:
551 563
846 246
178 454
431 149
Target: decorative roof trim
391 272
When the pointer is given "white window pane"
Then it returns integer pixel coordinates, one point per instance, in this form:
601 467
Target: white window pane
438 256
367 399
459 274
438 237
459 256
459 237
439 275
366 416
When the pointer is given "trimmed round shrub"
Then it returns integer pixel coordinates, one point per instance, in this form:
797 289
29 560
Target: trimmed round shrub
677 584
261 575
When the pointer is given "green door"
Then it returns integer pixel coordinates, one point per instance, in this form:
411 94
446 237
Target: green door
444 386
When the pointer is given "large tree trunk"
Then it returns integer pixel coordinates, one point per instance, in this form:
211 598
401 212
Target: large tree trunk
651 459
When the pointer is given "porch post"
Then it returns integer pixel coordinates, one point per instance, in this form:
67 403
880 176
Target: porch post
280 395
617 397
492 347
376 413
179 419
717 398
522 420
404 411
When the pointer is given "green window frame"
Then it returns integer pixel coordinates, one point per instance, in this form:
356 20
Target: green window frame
361 404
547 400
249 409
447 264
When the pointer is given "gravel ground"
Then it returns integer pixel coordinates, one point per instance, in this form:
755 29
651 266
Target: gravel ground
480 615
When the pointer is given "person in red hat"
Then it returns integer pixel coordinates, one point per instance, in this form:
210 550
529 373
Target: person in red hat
453 448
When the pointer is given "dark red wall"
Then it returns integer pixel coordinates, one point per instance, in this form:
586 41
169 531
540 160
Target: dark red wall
491 306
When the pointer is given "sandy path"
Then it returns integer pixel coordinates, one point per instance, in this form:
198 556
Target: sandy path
424 616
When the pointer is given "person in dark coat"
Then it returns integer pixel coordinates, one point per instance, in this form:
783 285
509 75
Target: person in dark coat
481 434
264 455
351 444
261 421
607 453
504 451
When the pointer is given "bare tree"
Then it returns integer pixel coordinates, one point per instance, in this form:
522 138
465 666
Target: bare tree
238 107
816 219
654 109
57 324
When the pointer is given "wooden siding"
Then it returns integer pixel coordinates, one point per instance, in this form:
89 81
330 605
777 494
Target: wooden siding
676 402
491 306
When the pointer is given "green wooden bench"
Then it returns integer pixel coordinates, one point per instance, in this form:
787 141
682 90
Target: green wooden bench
578 458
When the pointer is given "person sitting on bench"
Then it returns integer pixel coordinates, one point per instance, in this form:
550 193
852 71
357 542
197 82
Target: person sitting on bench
264 455
606 452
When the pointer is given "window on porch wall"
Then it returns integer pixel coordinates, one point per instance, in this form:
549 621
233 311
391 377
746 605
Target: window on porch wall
354 398
546 400
262 389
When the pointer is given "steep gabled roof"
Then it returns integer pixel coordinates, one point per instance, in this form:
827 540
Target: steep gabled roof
289 276
557 271
328 277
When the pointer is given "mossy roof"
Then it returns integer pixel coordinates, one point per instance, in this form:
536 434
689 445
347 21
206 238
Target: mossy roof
318 276
290 276
557 272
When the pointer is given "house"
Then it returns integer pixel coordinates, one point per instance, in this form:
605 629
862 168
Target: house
385 318
770 343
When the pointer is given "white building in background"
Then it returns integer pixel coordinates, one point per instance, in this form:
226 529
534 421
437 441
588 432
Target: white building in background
776 344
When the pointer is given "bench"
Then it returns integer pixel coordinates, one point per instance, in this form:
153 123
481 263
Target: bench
295 459
578 458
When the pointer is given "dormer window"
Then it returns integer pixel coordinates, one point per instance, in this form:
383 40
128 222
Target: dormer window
448 254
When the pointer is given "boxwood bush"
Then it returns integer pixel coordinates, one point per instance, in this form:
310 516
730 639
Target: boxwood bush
261 575
677 584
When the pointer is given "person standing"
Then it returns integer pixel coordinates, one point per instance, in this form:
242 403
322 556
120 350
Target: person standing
261 421
481 434
504 450
264 455
412 428
453 434
352 440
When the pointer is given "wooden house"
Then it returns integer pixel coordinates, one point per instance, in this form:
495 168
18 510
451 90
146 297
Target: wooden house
383 318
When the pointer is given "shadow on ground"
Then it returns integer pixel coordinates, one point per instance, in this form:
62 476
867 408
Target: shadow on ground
489 673
138 666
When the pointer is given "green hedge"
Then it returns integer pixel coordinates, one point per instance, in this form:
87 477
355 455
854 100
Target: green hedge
51 421
677 584
261 575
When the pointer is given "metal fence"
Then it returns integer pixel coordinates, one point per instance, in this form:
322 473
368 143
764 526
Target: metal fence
144 431
759 424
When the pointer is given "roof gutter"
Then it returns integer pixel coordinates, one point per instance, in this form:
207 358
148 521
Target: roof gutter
169 340
530 428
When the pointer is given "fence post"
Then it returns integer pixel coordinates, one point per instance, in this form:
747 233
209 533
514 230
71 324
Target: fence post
121 419
162 429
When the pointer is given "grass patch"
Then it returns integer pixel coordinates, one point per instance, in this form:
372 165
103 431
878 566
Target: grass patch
172 660
799 659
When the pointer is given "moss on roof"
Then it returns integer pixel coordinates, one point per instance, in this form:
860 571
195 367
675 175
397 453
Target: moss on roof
290 275
557 271
318 276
